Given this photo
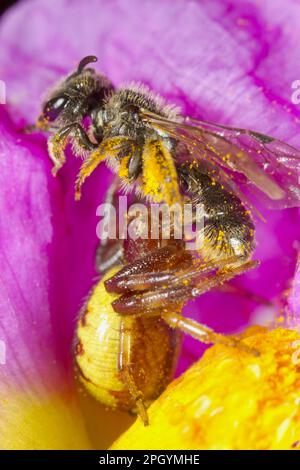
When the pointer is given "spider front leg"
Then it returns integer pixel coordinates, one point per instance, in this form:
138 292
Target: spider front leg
57 144
170 272
166 291
149 271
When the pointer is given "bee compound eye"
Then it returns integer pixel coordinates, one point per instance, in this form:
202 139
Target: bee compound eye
54 107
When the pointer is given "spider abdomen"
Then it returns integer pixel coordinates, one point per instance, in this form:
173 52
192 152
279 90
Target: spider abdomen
98 352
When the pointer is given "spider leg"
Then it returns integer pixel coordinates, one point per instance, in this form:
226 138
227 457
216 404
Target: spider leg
168 301
179 287
127 376
145 272
246 293
203 333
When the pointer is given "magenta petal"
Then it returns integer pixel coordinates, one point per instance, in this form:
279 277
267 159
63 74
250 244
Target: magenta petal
39 408
31 290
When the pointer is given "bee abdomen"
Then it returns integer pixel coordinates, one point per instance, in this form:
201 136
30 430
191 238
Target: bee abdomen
228 227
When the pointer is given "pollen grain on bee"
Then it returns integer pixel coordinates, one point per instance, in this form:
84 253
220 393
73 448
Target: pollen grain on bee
151 221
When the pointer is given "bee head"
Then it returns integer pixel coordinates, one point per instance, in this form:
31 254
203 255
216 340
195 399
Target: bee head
75 97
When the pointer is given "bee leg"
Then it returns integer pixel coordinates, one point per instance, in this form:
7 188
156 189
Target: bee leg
58 142
203 333
110 252
124 363
108 255
87 168
111 147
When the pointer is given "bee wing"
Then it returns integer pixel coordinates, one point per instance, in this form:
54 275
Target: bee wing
246 161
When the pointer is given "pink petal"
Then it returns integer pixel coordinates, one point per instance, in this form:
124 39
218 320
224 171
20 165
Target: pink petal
35 377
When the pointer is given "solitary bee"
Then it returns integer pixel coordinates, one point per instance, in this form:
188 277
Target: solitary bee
165 157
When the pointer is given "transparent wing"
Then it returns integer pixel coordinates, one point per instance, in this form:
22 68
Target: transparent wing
245 161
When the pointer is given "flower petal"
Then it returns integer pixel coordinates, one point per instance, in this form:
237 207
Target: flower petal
228 401
35 379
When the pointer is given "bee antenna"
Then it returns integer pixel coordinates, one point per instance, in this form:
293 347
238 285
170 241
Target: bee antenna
86 60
